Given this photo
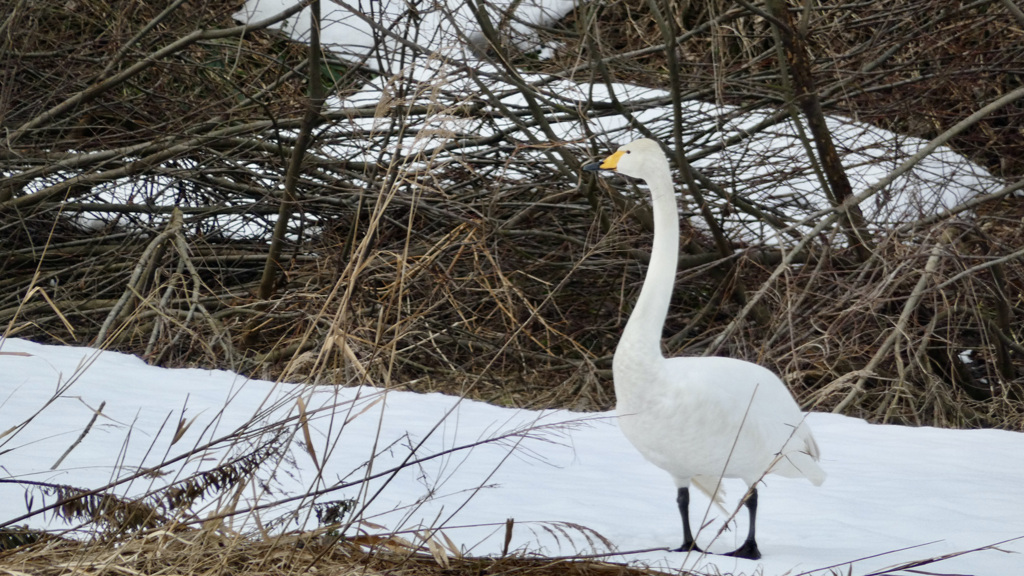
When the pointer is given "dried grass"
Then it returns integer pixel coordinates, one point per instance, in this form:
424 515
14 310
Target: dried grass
198 552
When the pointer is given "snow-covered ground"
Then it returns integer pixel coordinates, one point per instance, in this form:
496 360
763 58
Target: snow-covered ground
410 38
569 480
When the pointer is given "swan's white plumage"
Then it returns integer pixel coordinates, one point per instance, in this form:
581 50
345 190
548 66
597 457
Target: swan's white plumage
709 417
698 418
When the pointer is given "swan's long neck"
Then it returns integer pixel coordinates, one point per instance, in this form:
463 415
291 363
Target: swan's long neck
640 344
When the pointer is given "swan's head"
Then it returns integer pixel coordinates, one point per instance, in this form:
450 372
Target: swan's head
637 159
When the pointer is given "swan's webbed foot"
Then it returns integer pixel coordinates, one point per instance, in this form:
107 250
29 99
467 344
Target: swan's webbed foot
690 546
748 550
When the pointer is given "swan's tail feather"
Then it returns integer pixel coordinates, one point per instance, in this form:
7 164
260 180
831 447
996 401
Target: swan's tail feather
716 496
813 472
796 464
809 466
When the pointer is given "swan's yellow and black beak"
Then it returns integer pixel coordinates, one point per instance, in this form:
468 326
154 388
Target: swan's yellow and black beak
610 163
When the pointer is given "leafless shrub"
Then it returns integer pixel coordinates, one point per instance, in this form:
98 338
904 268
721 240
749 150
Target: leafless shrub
437 234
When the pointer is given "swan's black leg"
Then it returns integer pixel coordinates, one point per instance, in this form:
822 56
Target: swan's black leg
683 499
749 547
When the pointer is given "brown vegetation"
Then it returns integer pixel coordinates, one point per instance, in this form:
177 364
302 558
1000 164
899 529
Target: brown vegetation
501 284
192 552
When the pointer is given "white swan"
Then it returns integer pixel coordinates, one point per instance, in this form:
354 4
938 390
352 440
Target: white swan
699 419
